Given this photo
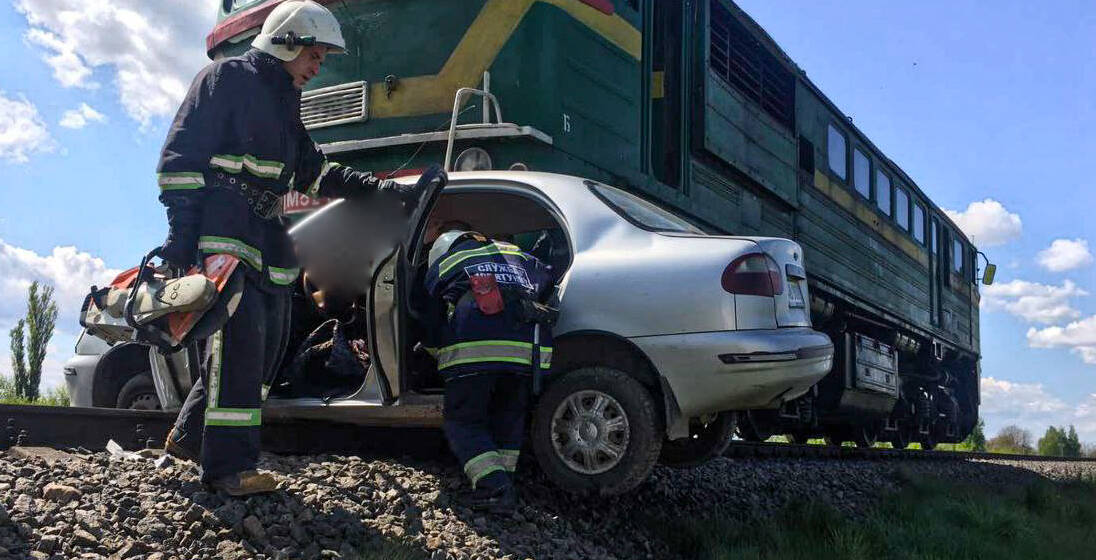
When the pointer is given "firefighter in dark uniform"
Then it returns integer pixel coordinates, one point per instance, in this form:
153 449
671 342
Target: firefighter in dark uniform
236 146
491 339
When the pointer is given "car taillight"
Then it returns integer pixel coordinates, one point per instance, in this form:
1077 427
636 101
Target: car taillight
755 274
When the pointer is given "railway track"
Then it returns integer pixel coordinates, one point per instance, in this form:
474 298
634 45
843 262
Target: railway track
92 428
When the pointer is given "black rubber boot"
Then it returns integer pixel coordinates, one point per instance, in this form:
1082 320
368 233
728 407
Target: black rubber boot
501 500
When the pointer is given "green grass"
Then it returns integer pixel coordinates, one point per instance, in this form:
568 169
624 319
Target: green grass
928 519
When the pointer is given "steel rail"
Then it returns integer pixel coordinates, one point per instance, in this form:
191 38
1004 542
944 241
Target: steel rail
740 449
92 428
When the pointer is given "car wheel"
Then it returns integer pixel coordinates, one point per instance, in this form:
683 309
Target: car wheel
596 430
139 394
706 440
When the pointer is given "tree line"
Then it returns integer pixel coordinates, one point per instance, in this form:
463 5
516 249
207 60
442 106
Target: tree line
1056 442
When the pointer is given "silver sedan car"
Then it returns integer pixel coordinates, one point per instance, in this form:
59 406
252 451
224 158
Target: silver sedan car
664 331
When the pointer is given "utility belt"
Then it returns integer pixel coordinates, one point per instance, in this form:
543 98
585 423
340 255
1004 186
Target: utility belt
263 202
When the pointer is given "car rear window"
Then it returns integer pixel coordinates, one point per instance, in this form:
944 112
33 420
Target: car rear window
642 213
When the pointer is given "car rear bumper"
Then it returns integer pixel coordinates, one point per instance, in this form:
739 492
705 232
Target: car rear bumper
739 370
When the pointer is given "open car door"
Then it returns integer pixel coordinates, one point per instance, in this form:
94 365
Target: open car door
351 250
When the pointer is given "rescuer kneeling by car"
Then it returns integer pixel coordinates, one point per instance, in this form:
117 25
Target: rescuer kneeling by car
236 146
494 336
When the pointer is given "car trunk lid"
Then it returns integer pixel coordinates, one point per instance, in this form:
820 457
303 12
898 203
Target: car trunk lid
791 305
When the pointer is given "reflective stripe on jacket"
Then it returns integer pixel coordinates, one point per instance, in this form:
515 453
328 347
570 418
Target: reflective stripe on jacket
470 341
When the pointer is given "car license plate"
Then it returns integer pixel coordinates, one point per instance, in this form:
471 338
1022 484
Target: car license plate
795 295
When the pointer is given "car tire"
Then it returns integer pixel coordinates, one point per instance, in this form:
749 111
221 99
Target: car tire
705 442
628 421
139 393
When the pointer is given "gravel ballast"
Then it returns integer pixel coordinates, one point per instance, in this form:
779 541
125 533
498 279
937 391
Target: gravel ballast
103 506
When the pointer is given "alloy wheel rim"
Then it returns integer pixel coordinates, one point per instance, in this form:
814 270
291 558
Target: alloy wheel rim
590 432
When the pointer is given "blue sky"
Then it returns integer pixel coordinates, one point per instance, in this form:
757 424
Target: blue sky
974 100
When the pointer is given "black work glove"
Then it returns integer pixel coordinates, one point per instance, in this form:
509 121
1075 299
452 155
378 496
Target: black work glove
407 194
180 249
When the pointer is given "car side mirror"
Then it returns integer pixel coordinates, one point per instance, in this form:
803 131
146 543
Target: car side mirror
990 272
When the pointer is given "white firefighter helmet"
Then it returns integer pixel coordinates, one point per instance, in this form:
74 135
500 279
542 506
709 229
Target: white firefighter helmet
299 22
442 245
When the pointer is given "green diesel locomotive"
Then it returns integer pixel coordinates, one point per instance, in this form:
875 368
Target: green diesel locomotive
689 103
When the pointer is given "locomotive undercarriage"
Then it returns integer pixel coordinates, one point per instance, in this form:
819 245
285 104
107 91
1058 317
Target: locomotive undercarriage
885 386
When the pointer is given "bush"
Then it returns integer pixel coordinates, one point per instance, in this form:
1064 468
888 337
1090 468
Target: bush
56 396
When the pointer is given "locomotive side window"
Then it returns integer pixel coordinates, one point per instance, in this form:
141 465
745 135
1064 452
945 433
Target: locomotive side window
919 223
861 173
902 208
934 238
835 146
883 192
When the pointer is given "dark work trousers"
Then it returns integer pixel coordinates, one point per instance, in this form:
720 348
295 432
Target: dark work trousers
222 414
485 424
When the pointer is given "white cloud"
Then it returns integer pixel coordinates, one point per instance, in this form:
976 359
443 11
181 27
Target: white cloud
79 117
1031 406
1078 336
1033 302
71 272
22 132
1065 254
152 49
1084 418
68 269
987 223
1019 399
68 68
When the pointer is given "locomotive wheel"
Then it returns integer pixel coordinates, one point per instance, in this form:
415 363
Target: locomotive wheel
865 435
928 441
799 438
834 439
901 437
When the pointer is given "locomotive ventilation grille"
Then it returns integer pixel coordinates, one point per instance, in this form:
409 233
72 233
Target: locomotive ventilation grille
341 104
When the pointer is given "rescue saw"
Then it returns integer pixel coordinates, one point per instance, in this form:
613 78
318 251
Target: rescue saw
156 305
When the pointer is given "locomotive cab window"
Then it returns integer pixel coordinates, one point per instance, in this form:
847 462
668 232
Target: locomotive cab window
835 147
957 256
861 173
883 192
902 208
919 223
